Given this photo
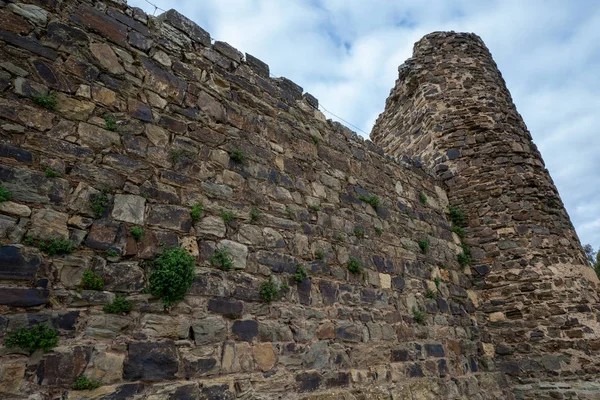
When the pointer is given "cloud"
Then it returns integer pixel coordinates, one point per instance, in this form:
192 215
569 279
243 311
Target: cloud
346 53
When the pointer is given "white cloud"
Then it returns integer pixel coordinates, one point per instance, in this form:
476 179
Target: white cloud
346 53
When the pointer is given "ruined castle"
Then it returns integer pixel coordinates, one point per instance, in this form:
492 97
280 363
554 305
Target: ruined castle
436 261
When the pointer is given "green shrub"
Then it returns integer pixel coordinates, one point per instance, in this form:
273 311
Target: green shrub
430 294
237 155
464 258
269 291
29 240
354 265
314 208
196 212
316 140
423 198
254 214
85 383
175 156
50 173
222 258
37 337
5 194
359 232
110 122
112 253
300 274
120 305
424 245
458 230
319 255
91 281
457 217
172 275
418 316
228 216
48 101
137 232
56 246
373 200
437 281
98 203
284 287
379 231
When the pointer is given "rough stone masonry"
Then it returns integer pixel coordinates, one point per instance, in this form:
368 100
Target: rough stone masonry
101 101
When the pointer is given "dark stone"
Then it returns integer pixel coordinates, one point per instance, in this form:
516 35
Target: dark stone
400 355
308 381
187 26
197 368
13 22
482 269
151 361
17 264
61 369
140 41
33 186
228 51
277 261
329 291
473 364
304 289
217 392
503 349
66 320
82 69
126 391
398 283
290 91
170 217
17 297
185 392
123 163
312 100
414 371
122 277
226 307
452 154
349 332
60 34
102 177
139 110
28 44
98 22
340 379
172 124
442 367
130 22
162 81
245 330
102 235
434 350
260 68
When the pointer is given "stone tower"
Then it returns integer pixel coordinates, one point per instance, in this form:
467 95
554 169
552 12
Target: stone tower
538 307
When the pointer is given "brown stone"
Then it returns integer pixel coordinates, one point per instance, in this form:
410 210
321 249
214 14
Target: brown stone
97 21
264 356
107 58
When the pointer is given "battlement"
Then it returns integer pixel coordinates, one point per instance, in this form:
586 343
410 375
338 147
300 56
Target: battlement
325 266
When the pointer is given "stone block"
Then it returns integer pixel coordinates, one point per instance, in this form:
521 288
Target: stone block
186 26
151 361
170 217
97 21
18 263
49 224
245 330
238 251
209 330
129 208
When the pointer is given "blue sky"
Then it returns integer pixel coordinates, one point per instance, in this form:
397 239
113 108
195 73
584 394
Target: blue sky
346 53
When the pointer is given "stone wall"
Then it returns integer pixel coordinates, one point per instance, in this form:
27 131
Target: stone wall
538 300
181 105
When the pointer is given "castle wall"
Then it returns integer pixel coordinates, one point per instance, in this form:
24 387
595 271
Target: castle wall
538 301
182 105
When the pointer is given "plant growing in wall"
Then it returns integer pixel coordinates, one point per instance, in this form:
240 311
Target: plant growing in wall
354 265
110 122
373 200
423 245
359 232
137 232
56 246
464 258
196 212
457 217
50 173
91 280
37 337
378 231
5 194
437 282
85 383
237 155
47 101
254 214
430 294
319 255
300 274
423 198
120 305
98 203
228 216
222 258
418 316
172 275
314 207
268 290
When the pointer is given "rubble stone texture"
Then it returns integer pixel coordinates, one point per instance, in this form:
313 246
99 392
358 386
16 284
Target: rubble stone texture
149 113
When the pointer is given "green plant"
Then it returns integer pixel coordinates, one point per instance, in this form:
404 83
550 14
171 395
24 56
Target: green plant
228 216
359 232
85 383
314 207
457 217
300 274
175 156
269 291
319 255
120 305
354 265
91 281
373 200
418 316
196 212
48 101
464 258
430 294
29 240
37 337
284 287
289 212
110 122
137 232
443 266
423 198
437 281
237 155
50 173
5 194
172 275
112 253
379 231
222 258
98 203
56 246
423 245
458 230
316 140
254 214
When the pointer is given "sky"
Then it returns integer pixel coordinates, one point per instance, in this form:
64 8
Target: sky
347 52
